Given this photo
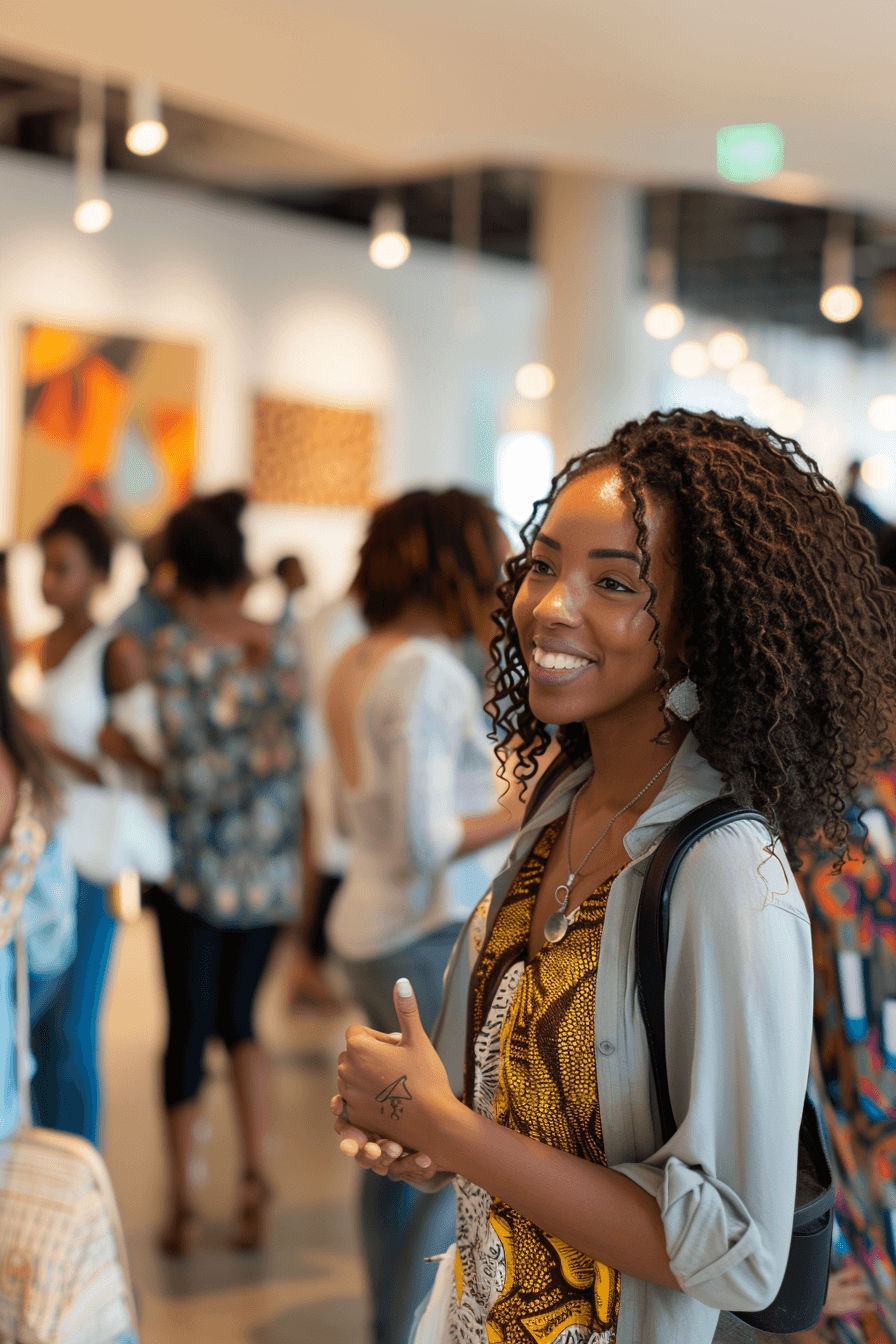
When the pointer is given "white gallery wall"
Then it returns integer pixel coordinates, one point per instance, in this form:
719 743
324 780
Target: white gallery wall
280 305
287 306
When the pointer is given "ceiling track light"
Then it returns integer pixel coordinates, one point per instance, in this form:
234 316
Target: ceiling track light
840 300
93 212
147 132
389 245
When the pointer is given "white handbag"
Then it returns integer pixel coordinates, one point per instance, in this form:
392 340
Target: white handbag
64 1275
431 1321
114 829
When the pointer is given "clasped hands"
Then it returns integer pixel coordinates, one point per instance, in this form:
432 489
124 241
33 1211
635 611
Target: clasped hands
394 1096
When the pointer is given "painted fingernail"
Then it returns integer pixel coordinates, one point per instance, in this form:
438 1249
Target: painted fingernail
349 1147
392 1150
373 1150
423 1161
405 989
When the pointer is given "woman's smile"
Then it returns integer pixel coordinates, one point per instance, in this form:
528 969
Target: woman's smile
557 666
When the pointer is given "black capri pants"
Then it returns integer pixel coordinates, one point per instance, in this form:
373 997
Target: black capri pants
211 979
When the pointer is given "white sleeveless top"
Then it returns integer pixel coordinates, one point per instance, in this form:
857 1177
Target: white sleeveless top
73 700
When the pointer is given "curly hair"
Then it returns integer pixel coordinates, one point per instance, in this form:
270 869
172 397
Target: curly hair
438 547
792 623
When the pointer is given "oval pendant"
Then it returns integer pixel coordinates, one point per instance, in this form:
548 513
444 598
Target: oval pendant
555 927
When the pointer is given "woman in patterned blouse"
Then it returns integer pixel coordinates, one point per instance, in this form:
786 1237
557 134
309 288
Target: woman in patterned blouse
230 694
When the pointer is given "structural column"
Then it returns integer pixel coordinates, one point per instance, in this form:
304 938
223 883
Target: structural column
587 247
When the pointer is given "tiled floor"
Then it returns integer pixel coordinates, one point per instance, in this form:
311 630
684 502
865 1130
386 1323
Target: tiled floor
309 1286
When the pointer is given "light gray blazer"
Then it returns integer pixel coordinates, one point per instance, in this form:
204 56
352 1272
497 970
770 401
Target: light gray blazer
738 1029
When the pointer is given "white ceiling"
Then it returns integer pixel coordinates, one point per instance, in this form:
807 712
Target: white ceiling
635 89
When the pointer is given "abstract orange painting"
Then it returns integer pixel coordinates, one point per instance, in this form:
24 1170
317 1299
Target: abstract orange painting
107 419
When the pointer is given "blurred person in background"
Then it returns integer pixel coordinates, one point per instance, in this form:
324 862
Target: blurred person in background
418 795
152 608
327 635
291 573
853 916
82 665
230 699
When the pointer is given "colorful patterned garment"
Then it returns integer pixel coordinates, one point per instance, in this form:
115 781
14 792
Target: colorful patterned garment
233 774
531 1067
854 941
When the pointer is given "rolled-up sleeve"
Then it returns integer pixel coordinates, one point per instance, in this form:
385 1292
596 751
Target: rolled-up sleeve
738 1031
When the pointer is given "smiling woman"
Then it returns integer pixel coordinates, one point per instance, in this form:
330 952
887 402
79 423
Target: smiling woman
698 611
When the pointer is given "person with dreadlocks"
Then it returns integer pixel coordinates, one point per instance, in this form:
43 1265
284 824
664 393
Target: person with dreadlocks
701 614
418 793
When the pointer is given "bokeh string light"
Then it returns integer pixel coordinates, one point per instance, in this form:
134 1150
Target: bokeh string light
745 378
766 401
878 471
663 321
882 413
534 381
727 349
690 360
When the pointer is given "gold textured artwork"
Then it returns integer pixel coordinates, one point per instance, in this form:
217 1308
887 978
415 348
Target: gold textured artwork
108 419
319 455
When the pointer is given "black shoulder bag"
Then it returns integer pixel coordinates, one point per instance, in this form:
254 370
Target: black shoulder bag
801 1296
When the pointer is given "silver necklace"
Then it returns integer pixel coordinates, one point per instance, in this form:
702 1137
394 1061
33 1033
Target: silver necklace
557 924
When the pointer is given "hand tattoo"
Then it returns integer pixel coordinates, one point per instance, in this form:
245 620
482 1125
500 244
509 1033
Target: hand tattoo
396 1094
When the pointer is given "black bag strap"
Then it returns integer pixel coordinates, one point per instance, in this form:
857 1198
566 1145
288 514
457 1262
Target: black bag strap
652 940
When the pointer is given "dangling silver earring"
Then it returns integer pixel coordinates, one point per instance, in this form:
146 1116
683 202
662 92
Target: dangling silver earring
682 699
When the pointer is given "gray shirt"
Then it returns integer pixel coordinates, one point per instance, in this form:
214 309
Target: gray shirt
739 1021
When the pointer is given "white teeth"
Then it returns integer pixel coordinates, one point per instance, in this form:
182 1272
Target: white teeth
565 662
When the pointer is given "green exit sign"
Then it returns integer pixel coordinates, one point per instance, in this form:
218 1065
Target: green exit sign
750 153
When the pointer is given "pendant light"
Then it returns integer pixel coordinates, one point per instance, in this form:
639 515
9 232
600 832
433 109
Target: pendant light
147 132
93 212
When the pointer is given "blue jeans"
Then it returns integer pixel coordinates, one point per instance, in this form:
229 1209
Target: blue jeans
399 1225
65 1092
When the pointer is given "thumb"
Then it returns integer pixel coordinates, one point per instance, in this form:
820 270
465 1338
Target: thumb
408 1012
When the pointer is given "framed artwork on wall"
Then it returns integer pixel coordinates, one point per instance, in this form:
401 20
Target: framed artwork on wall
108 419
312 455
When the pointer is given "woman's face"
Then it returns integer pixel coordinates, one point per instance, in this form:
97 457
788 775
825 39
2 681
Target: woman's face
69 578
582 605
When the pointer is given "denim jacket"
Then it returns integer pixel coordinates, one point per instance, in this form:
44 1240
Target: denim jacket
739 1020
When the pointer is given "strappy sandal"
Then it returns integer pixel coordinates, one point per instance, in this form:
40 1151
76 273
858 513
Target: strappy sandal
180 1236
250 1229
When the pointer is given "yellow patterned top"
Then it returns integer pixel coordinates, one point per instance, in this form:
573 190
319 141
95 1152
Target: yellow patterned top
530 1066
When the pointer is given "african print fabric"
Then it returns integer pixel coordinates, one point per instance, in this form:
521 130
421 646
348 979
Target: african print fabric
531 1067
853 917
